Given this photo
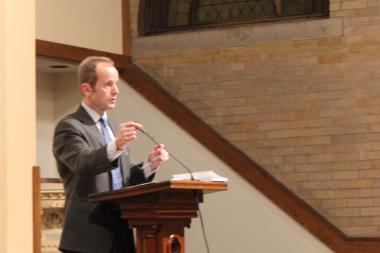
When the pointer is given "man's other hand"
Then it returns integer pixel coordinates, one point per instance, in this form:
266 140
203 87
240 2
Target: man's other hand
157 157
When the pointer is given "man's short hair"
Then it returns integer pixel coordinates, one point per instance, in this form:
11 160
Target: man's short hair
87 69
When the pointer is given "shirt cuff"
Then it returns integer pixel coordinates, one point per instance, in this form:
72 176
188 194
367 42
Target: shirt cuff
112 152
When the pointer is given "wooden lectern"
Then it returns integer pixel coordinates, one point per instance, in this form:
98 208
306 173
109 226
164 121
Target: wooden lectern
160 211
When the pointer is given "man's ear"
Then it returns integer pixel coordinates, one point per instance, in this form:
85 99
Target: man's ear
85 89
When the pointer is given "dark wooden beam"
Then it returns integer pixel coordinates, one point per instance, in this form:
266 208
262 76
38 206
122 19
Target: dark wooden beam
76 54
127 29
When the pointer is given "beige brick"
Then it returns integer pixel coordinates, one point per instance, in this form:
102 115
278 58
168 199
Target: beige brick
318 131
278 160
335 184
331 59
264 161
369 173
376 202
357 222
359 184
296 159
356 21
283 151
334 203
335 6
190 88
372 3
356 231
236 136
341 175
334 157
296 177
360 202
310 185
374 127
357 165
368 193
369 211
283 169
250 126
303 115
345 212
285 133
321 176
336 194
355 129
307 167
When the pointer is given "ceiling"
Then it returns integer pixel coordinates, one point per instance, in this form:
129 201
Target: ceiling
50 65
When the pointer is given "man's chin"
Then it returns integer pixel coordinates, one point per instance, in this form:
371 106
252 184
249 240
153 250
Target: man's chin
112 106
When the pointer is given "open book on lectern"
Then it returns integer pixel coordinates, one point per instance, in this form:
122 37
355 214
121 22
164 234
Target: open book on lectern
208 175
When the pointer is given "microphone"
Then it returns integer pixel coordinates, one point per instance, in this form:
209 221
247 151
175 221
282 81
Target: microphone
150 136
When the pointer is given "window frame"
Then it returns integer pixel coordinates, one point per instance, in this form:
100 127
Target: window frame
148 18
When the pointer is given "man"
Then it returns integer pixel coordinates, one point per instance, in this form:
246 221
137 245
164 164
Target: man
91 158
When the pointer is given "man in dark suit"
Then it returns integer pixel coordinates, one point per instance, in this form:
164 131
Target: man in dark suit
92 158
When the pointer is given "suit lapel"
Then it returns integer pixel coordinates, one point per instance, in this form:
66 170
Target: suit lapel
87 121
97 133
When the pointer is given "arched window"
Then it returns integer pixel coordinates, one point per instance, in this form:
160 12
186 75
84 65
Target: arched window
168 15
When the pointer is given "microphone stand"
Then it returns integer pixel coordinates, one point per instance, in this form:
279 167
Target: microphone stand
150 136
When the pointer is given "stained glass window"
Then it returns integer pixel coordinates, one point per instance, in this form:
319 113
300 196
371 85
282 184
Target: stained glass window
168 15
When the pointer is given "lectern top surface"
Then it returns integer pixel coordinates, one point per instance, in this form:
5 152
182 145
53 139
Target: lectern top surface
204 186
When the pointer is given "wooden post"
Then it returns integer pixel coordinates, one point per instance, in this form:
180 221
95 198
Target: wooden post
36 210
278 7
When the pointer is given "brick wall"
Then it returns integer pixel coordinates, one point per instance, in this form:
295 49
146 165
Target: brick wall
306 108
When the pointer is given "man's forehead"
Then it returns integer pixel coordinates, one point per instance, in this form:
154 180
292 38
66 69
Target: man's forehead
104 65
106 68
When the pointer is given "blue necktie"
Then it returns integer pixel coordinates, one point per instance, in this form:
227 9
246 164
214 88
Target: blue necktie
117 181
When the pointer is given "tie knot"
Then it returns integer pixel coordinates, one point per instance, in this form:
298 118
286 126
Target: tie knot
103 121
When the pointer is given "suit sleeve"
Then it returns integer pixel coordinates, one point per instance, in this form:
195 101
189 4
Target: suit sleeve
72 148
137 176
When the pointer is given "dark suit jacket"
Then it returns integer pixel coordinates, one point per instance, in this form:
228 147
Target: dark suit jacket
83 165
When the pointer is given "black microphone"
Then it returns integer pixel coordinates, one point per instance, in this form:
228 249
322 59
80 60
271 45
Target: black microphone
150 136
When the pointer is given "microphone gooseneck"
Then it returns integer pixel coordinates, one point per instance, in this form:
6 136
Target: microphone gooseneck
150 136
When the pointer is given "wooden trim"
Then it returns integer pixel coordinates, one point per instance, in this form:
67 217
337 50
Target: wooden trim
147 188
127 29
194 6
76 54
278 7
140 19
36 210
308 5
295 207
50 181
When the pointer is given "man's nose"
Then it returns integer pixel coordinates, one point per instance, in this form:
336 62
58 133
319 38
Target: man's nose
115 90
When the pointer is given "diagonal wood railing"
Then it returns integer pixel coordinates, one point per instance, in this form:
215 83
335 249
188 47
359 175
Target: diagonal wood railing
295 207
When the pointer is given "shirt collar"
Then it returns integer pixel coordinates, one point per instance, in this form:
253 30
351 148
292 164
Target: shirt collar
93 114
